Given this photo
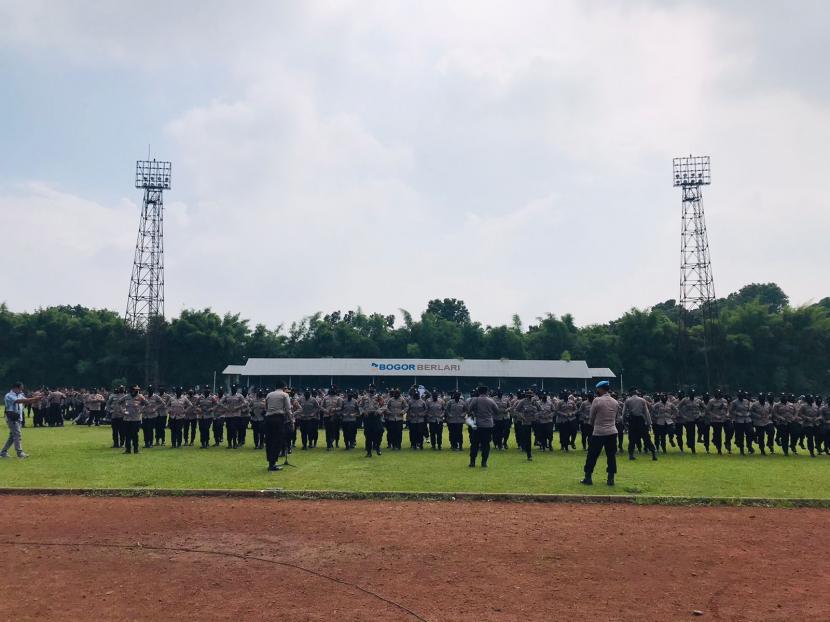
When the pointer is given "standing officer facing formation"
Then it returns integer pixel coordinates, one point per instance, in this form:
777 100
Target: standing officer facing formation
484 411
603 419
277 407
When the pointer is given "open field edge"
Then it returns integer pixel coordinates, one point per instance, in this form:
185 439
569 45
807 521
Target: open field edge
394 495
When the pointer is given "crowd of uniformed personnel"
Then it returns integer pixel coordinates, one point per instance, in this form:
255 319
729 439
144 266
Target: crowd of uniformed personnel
538 420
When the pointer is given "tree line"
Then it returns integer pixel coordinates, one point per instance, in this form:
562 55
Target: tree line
759 342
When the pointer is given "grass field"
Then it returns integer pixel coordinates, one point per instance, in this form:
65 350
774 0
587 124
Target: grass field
75 456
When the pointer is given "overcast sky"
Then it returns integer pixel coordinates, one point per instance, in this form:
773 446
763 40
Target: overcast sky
330 155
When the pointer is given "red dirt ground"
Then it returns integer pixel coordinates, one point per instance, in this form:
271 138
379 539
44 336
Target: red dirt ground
443 561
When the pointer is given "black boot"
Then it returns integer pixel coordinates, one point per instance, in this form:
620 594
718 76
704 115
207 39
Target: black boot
610 481
587 480
654 455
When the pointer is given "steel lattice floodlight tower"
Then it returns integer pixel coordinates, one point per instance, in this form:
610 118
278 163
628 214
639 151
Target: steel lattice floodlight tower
145 304
697 287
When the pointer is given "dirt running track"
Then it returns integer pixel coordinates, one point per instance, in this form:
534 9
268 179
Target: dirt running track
441 561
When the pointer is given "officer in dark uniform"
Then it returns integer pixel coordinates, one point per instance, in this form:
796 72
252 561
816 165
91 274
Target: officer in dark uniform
371 406
635 411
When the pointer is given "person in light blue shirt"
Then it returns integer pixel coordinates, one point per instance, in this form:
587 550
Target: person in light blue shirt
14 402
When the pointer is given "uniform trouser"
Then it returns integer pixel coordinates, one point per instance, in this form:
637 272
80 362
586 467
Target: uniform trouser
743 435
678 434
585 431
480 440
782 436
332 426
131 434
795 434
372 433
395 432
574 432
764 432
620 436
54 417
204 431
349 433
716 430
37 419
661 430
546 433
595 446
523 438
308 432
729 433
94 417
273 428
189 430
259 437
825 438
242 429
638 431
148 426
691 437
160 429
675 433
498 433
288 432
14 436
117 425
504 432
416 434
436 433
231 430
813 441
702 428
218 430
456 435
305 437
176 431
565 430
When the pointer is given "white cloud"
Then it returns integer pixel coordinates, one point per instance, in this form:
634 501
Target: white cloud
380 154
67 249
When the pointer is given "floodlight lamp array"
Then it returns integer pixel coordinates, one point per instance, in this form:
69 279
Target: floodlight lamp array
691 171
152 174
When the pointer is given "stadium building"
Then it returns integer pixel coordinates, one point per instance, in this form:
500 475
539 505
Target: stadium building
445 374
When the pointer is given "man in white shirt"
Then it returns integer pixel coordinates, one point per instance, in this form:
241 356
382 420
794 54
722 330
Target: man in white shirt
14 402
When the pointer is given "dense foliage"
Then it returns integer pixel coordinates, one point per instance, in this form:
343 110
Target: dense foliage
760 342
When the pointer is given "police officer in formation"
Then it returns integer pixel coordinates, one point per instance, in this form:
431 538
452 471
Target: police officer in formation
370 406
178 405
638 419
763 422
435 419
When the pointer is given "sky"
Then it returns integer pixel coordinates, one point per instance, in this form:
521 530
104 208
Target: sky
377 154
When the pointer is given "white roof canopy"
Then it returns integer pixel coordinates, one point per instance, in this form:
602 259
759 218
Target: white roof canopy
476 368
601 372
